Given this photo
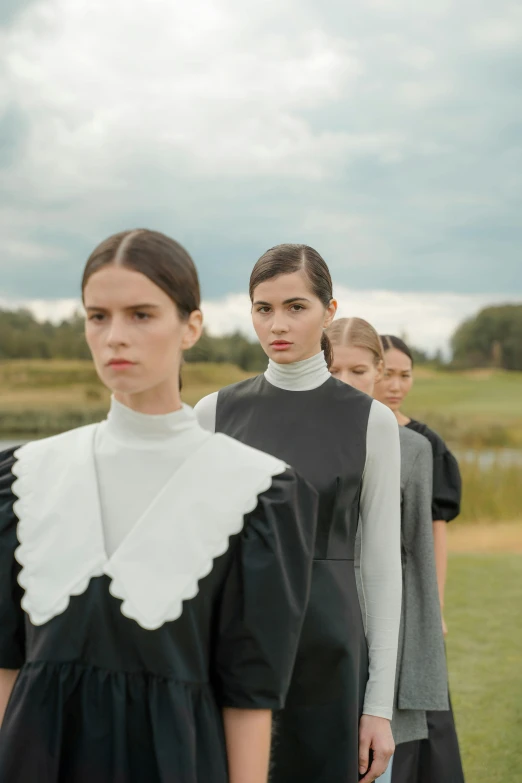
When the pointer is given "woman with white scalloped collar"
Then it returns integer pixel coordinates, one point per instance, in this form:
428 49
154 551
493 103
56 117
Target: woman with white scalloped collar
153 577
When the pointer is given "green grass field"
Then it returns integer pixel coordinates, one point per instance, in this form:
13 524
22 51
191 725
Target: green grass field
484 595
475 410
484 600
479 408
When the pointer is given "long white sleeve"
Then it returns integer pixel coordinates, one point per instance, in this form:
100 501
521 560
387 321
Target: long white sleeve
381 570
205 411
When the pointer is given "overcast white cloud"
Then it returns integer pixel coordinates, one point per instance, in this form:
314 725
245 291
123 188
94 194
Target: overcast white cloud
428 321
387 134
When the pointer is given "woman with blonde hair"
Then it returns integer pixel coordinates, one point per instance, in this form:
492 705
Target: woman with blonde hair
421 683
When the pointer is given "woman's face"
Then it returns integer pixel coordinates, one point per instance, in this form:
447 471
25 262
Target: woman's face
397 379
289 318
356 367
134 332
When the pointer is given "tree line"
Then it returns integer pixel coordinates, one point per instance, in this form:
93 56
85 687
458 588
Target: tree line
492 338
23 337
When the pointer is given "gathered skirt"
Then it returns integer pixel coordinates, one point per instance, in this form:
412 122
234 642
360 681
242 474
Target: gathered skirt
70 723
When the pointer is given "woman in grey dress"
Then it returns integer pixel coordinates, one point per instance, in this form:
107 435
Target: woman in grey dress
421 683
437 757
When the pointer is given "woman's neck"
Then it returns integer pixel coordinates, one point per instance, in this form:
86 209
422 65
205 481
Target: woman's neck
136 429
298 376
155 402
401 418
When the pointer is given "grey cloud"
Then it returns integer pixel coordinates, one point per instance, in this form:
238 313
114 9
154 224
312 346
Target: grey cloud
13 132
429 202
10 9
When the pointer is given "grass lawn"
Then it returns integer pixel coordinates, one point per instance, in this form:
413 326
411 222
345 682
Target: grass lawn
481 409
484 607
478 408
484 595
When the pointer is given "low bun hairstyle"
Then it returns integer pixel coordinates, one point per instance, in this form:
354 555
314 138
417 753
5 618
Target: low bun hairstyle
288 258
163 260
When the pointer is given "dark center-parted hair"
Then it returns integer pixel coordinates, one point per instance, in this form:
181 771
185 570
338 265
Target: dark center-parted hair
287 259
389 341
163 260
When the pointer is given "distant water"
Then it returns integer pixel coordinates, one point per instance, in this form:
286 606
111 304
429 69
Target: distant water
486 457
6 444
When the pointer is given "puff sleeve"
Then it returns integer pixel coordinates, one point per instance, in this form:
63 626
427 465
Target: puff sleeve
447 483
447 486
12 628
265 597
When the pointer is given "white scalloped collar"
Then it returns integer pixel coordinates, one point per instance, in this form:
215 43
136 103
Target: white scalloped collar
165 554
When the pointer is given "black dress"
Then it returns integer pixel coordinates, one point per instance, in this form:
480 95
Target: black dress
321 432
447 483
437 758
132 692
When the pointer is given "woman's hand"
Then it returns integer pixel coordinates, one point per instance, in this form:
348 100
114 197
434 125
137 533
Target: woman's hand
374 734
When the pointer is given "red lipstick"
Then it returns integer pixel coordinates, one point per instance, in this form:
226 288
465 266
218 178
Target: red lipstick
280 345
120 364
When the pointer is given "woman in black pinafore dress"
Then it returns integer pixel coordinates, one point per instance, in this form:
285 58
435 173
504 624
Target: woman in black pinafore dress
335 726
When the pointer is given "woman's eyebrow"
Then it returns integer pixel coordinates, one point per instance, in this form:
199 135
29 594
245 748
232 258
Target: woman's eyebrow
142 307
130 307
287 301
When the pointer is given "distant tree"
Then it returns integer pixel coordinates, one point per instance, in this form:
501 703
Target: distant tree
492 338
234 348
419 356
23 337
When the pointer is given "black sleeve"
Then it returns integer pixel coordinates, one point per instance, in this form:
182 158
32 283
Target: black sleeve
447 486
12 629
265 597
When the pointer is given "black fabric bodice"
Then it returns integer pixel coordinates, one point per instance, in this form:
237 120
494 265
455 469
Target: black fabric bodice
321 433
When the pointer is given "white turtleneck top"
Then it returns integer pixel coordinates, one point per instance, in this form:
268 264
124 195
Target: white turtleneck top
380 564
135 455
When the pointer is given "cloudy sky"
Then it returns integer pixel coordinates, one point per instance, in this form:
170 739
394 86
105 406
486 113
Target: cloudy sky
386 133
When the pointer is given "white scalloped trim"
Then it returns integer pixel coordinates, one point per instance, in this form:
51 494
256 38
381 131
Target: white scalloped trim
174 608
32 465
170 549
